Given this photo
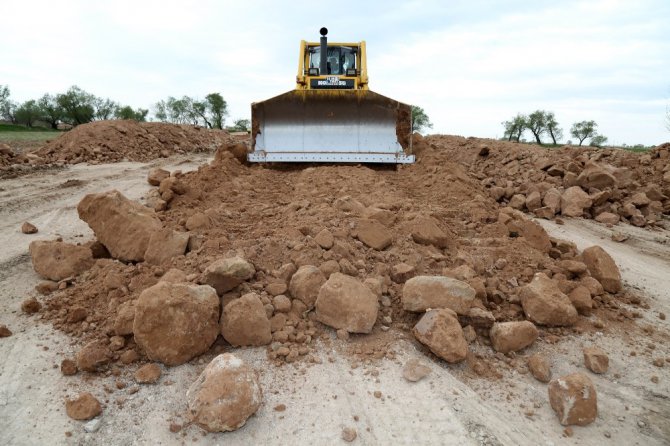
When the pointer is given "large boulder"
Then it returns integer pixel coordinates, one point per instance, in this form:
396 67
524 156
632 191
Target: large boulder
512 336
595 176
426 231
165 244
226 274
545 304
602 268
58 260
533 233
440 331
176 322
225 395
373 234
306 283
244 322
573 398
345 303
123 226
552 199
423 292
573 202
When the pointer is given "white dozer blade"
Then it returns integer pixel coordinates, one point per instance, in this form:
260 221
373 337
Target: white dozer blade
341 126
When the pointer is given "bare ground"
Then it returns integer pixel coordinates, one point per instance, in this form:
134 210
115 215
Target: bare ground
448 407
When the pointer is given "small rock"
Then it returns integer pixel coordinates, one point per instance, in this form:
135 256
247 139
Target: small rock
512 336
31 306
596 360
276 288
580 297
414 370
573 398
164 245
602 268
423 292
440 331
425 231
306 283
148 374
373 234
93 425
83 407
28 228
4 331
324 239
345 303
244 322
68 367
59 260
281 303
92 356
226 274
573 202
349 434
225 395
156 175
539 367
545 304
402 272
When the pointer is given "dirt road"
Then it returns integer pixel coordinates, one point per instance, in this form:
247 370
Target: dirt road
448 407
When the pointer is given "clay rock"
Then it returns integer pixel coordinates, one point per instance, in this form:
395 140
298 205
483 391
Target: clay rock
226 274
125 316
545 304
174 275
123 226
93 356
512 336
324 239
345 303
165 244
594 176
306 283
552 199
373 234
176 322
59 260
440 331
477 318
148 374
402 272
414 370
533 233
602 268
573 202
596 360
84 407
518 201
580 297
573 398
156 175
539 367
607 218
28 228
426 231
533 201
423 292
225 395
198 220
244 322
4 331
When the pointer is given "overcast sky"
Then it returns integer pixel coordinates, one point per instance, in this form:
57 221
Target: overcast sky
470 64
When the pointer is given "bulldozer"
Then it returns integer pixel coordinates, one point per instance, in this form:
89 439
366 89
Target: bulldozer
331 115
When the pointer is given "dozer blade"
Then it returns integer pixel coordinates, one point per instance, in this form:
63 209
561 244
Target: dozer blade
346 126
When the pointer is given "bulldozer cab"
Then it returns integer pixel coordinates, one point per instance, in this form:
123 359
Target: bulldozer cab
331 116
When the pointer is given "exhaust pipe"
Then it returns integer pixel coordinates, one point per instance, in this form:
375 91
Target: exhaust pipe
323 63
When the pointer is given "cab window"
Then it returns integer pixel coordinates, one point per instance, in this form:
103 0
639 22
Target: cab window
339 59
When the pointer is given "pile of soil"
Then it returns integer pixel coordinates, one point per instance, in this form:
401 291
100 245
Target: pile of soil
114 141
381 226
617 185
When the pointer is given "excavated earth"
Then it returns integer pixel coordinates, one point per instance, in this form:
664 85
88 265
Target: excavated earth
464 211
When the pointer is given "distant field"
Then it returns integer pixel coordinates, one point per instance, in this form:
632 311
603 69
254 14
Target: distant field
24 138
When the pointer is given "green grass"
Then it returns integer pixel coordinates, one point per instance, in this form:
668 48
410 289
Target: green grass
22 129
27 136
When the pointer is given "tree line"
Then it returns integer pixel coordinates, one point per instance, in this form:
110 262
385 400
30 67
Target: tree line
77 106
543 123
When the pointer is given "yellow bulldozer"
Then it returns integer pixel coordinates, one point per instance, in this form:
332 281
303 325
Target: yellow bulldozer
332 115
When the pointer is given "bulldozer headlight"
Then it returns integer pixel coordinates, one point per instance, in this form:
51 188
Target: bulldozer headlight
351 71
313 71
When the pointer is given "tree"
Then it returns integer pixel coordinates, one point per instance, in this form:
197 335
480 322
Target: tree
7 106
553 129
584 129
218 109
515 127
420 120
50 111
598 140
28 112
127 112
104 108
78 106
240 125
537 124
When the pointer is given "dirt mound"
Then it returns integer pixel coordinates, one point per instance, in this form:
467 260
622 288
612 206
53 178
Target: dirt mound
438 220
609 185
113 141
